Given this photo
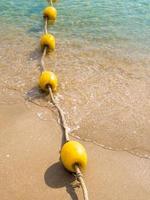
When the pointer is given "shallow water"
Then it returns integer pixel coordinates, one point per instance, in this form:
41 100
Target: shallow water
102 62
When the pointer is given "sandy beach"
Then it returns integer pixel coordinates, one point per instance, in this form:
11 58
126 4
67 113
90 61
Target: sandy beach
30 167
31 136
102 63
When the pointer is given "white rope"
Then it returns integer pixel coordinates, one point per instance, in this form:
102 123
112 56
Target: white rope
61 114
81 180
42 59
45 26
51 2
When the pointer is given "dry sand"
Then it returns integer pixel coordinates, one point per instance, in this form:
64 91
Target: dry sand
30 168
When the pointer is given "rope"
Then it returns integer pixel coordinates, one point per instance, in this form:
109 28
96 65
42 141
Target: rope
45 26
61 115
64 126
81 180
42 59
50 2
79 175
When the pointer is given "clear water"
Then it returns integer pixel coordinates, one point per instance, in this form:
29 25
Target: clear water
102 61
98 21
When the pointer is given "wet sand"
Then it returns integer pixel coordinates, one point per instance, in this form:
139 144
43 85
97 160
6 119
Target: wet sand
30 168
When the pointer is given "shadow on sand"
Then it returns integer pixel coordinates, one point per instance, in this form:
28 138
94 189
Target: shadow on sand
56 177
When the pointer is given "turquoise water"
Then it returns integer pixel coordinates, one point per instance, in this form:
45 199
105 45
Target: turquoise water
97 21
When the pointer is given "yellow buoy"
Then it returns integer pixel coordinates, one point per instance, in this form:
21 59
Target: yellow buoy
48 40
73 153
50 13
54 1
48 78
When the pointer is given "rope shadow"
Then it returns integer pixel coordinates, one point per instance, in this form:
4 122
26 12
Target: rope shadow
35 54
56 177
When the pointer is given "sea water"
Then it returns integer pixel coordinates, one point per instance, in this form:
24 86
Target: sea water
102 60
98 21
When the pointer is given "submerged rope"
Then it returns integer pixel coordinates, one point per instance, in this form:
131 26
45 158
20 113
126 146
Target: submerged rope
50 2
79 175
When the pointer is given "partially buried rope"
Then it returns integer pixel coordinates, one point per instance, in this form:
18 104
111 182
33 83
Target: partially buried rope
78 173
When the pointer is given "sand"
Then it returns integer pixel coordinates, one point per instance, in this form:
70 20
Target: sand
30 167
29 146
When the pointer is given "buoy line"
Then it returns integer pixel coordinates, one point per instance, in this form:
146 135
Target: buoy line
72 155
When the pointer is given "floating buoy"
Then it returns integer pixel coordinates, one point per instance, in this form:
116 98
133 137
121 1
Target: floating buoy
48 78
50 13
48 40
73 153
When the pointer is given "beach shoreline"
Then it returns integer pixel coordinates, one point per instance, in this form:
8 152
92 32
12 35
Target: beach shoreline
30 168
104 95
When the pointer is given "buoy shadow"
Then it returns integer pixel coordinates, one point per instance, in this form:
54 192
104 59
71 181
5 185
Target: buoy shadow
57 177
35 93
